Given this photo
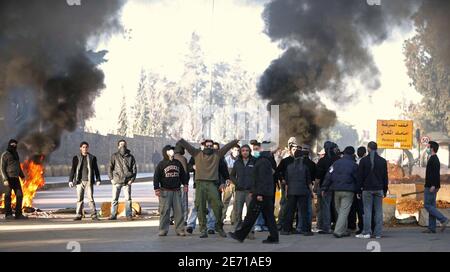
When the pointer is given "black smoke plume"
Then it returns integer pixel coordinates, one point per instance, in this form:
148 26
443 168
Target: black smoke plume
48 76
325 43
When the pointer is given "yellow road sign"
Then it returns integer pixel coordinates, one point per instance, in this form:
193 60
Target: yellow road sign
395 134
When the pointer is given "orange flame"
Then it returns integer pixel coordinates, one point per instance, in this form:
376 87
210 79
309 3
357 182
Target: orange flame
34 179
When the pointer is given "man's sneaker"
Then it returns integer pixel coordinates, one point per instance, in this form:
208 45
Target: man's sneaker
21 217
222 233
77 218
9 217
444 225
270 241
189 230
204 235
284 232
181 233
162 233
265 228
309 233
112 218
233 236
258 228
429 231
363 236
324 232
211 231
297 232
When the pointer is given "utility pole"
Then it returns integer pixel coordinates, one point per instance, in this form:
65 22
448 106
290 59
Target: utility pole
209 119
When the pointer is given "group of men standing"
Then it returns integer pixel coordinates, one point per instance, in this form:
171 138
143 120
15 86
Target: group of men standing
347 186
84 174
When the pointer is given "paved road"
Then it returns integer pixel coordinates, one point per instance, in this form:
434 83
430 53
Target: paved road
54 234
141 235
59 198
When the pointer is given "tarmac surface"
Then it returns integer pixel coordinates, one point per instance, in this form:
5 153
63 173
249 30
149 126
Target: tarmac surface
48 231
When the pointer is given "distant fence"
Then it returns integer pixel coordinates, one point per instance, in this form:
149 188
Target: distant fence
103 146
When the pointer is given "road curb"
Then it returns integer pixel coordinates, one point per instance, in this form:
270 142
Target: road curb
49 186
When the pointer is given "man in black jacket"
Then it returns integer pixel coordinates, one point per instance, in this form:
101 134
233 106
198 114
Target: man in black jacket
167 180
11 172
313 172
298 190
122 172
84 174
262 198
373 182
326 209
342 181
432 185
242 177
357 209
280 173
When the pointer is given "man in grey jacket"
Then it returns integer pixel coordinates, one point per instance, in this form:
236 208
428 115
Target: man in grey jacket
83 175
122 173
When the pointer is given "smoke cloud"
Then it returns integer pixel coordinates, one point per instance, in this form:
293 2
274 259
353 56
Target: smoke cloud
48 77
325 43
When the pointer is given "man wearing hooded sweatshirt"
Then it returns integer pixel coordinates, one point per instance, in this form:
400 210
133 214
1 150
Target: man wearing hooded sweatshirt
83 175
167 180
206 175
373 182
324 163
179 155
11 172
122 172
298 189
262 198
341 179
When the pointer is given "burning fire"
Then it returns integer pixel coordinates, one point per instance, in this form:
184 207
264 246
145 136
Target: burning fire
34 179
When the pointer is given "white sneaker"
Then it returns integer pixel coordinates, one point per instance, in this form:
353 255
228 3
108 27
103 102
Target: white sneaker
363 236
377 237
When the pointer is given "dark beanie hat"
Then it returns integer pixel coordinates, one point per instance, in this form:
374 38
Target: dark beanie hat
349 150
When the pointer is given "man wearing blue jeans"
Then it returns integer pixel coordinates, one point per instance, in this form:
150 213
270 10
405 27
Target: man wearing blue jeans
373 182
432 185
122 172
210 220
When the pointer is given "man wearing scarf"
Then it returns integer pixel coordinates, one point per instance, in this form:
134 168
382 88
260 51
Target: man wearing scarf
10 174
